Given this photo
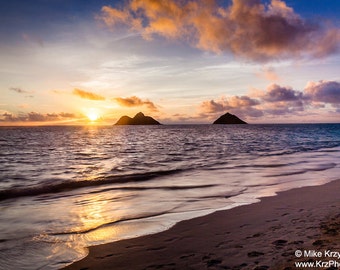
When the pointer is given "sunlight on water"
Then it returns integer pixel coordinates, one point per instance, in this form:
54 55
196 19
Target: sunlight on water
89 213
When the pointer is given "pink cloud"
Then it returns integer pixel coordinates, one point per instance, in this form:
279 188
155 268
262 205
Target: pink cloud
278 100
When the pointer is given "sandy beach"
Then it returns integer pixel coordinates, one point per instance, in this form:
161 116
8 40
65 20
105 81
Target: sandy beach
265 235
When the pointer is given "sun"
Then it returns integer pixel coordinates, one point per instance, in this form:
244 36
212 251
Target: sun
93 115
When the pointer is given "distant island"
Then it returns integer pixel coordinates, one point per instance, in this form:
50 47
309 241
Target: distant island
229 119
141 119
138 119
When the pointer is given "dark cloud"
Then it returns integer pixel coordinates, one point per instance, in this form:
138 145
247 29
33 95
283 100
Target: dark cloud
67 115
36 117
229 104
8 117
135 101
323 91
87 95
277 93
247 28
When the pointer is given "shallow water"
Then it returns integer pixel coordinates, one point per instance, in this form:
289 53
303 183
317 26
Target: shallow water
65 188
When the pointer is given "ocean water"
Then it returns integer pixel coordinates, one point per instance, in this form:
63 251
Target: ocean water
65 188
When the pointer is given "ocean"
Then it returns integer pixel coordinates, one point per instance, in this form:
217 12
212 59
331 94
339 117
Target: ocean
65 188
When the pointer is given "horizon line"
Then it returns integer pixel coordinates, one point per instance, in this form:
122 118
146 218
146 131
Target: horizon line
172 124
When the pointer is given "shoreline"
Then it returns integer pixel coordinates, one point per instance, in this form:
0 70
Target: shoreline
262 235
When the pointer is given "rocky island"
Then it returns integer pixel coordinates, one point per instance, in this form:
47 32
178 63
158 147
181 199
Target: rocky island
229 119
138 119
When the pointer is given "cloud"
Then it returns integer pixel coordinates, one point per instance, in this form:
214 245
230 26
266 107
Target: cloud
213 106
87 95
277 100
21 91
242 106
135 101
36 117
268 74
67 115
179 118
323 91
276 93
247 28
229 103
18 90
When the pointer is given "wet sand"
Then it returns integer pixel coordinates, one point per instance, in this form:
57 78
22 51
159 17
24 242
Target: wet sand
259 236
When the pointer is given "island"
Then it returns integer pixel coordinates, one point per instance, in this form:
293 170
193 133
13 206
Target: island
229 119
138 119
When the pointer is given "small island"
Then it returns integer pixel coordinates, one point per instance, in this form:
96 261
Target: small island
229 119
138 119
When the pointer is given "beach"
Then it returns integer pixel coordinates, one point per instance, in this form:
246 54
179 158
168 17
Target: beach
299 225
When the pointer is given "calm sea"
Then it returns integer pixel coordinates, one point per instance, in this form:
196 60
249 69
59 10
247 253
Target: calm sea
65 188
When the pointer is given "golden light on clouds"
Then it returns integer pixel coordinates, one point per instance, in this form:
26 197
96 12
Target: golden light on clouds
87 95
248 29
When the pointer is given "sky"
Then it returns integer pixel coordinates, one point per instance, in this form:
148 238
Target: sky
70 62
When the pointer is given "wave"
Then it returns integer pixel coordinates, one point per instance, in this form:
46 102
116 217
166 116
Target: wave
143 216
140 217
322 167
184 187
72 185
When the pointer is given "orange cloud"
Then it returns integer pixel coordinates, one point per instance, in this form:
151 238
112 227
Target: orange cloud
247 28
113 17
135 101
87 95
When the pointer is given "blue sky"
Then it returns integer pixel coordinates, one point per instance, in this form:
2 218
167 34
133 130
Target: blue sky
179 66
40 16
